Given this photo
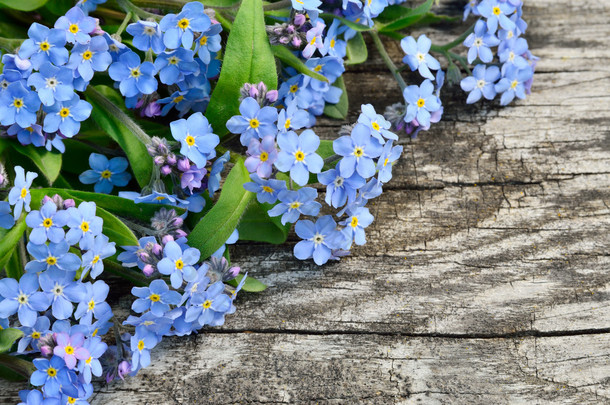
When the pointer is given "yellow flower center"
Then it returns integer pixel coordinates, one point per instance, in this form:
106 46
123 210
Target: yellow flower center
264 156
203 40
73 28
179 264
95 332
135 72
514 84
207 304
287 123
22 299
317 68
73 400
64 112
299 156
36 335
45 46
51 260
375 126
294 88
69 350
254 123
178 99
190 141
24 192
497 11
184 23
141 345
91 305
173 60
295 205
358 152
385 162
17 102
332 43
267 189
84 226
155 297
96 259
106 174
354 222
47 223
160 198
88 361
421 102
51 372
87 55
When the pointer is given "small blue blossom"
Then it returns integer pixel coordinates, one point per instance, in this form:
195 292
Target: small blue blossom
76 25
215 171
6 216
146 35
479 43
89 5
209 307
106 173
134 78
208 43
421 102
266 190
496 12
159 325
93 258
197 141
66 116
31 335
157 297
418 57
92 365
358 151
93 302
47 223
376 123
294 203
512 83
314 39
141 343
19 105
62 292
388 156
20 196
90 57
34 397
54 376
333 46
319 239
178 264
261 157
298 155
54 257
53 83
180 29
293 118
481 83
84 225
330 67
44 45
307 5
513 54
26 136
22 298
254 121
357 219
173 66
340 190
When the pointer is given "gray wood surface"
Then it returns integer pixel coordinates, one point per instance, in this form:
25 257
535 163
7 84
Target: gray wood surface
485 279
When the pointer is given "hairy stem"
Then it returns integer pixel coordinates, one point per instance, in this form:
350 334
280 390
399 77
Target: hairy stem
386 58
124 24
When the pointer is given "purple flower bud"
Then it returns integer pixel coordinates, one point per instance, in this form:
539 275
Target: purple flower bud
165 170
272 96
177 222
284 40
140 103
97 30
296 42
159 160
290 29
124 369
162 148
253 92
143 256
233 272
166 239
171 159
152 110
69 203
180 233
148 270
157 250
46 199
299 19
184 165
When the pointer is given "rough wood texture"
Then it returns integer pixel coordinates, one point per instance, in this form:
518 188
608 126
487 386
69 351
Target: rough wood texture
485 279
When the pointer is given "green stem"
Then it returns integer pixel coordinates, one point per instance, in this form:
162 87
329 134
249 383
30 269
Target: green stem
128 6
18 365
332 159
454 43
387 60
123 25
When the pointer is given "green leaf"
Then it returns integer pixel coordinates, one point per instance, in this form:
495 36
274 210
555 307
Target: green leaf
23 5
285 55
217 225
49 163
251 284
356 50
14 268
9 239
247 59
355 26
339 110
256 225
113 227
409 18
12 366
123 130
219 3
8 337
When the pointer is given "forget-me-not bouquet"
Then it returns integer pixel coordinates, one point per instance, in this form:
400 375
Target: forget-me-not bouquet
140 138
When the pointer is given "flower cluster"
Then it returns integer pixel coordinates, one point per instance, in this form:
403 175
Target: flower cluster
500 25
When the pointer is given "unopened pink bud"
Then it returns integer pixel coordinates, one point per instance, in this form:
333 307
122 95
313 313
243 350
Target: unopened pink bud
165 170
180 233
69 203
171 159
296 42
159 160
272 96
184 165
148 270
299 19
157 249
167 239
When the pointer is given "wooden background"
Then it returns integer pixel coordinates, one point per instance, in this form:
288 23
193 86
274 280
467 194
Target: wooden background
485 279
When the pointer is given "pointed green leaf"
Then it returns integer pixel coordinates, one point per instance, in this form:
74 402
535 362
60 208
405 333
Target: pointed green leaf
217 225
409 18
251 284
23 5
9 240
256 225
356 50
49 163
8 337
247 59
339 110
123 130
